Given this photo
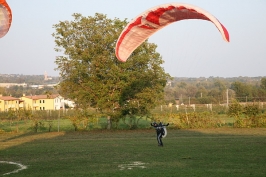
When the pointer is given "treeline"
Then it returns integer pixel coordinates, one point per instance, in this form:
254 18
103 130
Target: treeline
28 79
236 115
186 90
18 91
215 90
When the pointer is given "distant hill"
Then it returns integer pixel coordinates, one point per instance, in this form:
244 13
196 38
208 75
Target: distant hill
28 79
249 80
40 79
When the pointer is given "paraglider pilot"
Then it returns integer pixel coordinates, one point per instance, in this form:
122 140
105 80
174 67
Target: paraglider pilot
160 130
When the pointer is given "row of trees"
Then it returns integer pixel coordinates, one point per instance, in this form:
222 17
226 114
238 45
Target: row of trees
187 90
18 91
249 115
29 79
215 90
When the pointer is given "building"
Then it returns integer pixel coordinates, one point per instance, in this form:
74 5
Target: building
9 103
43 102
70 104
46 78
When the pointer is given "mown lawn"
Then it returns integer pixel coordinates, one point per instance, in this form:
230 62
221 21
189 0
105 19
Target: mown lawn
205 152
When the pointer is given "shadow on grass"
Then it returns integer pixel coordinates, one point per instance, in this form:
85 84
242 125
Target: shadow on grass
13 136
8 140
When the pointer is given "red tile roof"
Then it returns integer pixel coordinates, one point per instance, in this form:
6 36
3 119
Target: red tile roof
38 97
8 98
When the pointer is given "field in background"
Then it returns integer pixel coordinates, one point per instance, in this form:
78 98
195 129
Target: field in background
57 121
179 117
202 152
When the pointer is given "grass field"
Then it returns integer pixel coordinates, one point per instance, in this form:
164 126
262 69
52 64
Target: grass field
204 152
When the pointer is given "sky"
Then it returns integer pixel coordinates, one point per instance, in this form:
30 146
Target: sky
190 48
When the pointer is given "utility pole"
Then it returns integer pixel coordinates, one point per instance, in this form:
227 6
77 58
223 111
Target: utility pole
227 99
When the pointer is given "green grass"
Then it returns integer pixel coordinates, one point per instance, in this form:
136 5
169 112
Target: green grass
63 124
206 152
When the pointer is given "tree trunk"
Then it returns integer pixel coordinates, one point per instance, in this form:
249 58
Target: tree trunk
109 122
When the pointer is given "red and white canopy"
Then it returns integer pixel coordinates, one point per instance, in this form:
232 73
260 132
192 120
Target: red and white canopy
156 18
5 18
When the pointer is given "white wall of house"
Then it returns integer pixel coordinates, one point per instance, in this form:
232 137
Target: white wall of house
70 103
59 103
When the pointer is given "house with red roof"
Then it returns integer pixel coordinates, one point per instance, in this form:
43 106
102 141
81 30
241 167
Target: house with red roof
43 102
9 103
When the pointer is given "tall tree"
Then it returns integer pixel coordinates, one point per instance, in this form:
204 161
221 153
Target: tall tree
243 91
263 83
92 76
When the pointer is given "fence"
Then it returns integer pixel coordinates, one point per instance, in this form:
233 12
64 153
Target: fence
219 108
71 120
55 121
50 125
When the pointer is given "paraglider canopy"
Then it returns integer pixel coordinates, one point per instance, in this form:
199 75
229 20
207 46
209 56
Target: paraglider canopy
5 18
156 18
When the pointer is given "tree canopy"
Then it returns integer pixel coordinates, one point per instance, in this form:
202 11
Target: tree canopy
92 76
